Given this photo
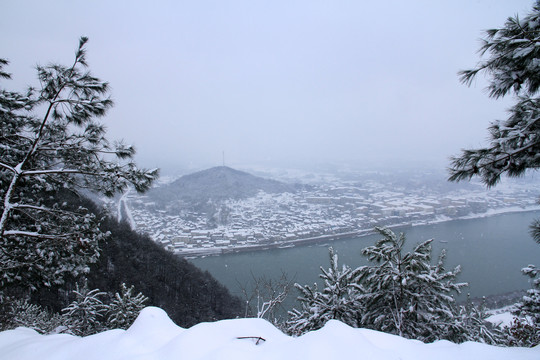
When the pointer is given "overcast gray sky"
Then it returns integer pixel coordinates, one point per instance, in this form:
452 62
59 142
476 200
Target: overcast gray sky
273 82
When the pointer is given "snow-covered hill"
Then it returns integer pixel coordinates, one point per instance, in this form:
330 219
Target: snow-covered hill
217 183
155 336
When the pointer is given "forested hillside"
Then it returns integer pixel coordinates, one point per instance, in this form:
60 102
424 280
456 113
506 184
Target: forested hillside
186 293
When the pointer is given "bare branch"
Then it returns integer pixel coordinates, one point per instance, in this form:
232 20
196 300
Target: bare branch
34 234
7 167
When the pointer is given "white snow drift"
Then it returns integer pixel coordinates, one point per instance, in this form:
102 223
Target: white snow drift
155 336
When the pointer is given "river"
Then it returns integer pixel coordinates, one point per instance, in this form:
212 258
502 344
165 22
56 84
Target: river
491 251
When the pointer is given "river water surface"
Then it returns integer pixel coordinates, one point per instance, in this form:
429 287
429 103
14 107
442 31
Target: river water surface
490 250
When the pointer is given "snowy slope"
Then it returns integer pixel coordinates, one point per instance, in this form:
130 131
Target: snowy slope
155 336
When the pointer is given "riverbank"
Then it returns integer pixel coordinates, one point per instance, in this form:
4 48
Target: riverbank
192 253
216 250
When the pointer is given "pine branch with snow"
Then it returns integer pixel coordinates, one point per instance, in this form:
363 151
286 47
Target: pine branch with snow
514 147
512 66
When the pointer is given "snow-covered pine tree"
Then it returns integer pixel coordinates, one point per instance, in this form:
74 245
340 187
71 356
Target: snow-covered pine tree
124 308
337 300
471 325
51 145
308 317
85 315
404 294
525 331
530 304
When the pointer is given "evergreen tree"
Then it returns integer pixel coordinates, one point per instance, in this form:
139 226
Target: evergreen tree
471 325
51 145
530 305
513 67
337 301
84 316
522 333
404 294
124 308
525 331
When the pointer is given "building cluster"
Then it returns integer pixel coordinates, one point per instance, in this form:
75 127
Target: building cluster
323 212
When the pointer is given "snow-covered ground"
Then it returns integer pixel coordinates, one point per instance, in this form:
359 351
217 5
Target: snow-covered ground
502 317
155 336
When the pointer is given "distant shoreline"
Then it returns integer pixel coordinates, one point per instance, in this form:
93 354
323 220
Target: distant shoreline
216 251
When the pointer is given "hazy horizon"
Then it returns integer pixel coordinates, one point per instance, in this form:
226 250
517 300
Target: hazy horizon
274 83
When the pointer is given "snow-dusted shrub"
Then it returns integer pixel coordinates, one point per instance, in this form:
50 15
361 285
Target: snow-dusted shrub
124 308
338 300
21 313
525 331
85 315
471 324
401 293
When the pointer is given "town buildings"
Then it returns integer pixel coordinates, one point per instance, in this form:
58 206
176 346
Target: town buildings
317 213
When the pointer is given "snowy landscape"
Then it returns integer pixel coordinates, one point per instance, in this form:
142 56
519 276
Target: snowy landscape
154 336
321 207
327 119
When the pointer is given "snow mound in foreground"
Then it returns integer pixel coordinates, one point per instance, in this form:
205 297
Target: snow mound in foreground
154 336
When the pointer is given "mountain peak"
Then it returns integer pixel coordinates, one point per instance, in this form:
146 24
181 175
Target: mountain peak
218 183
